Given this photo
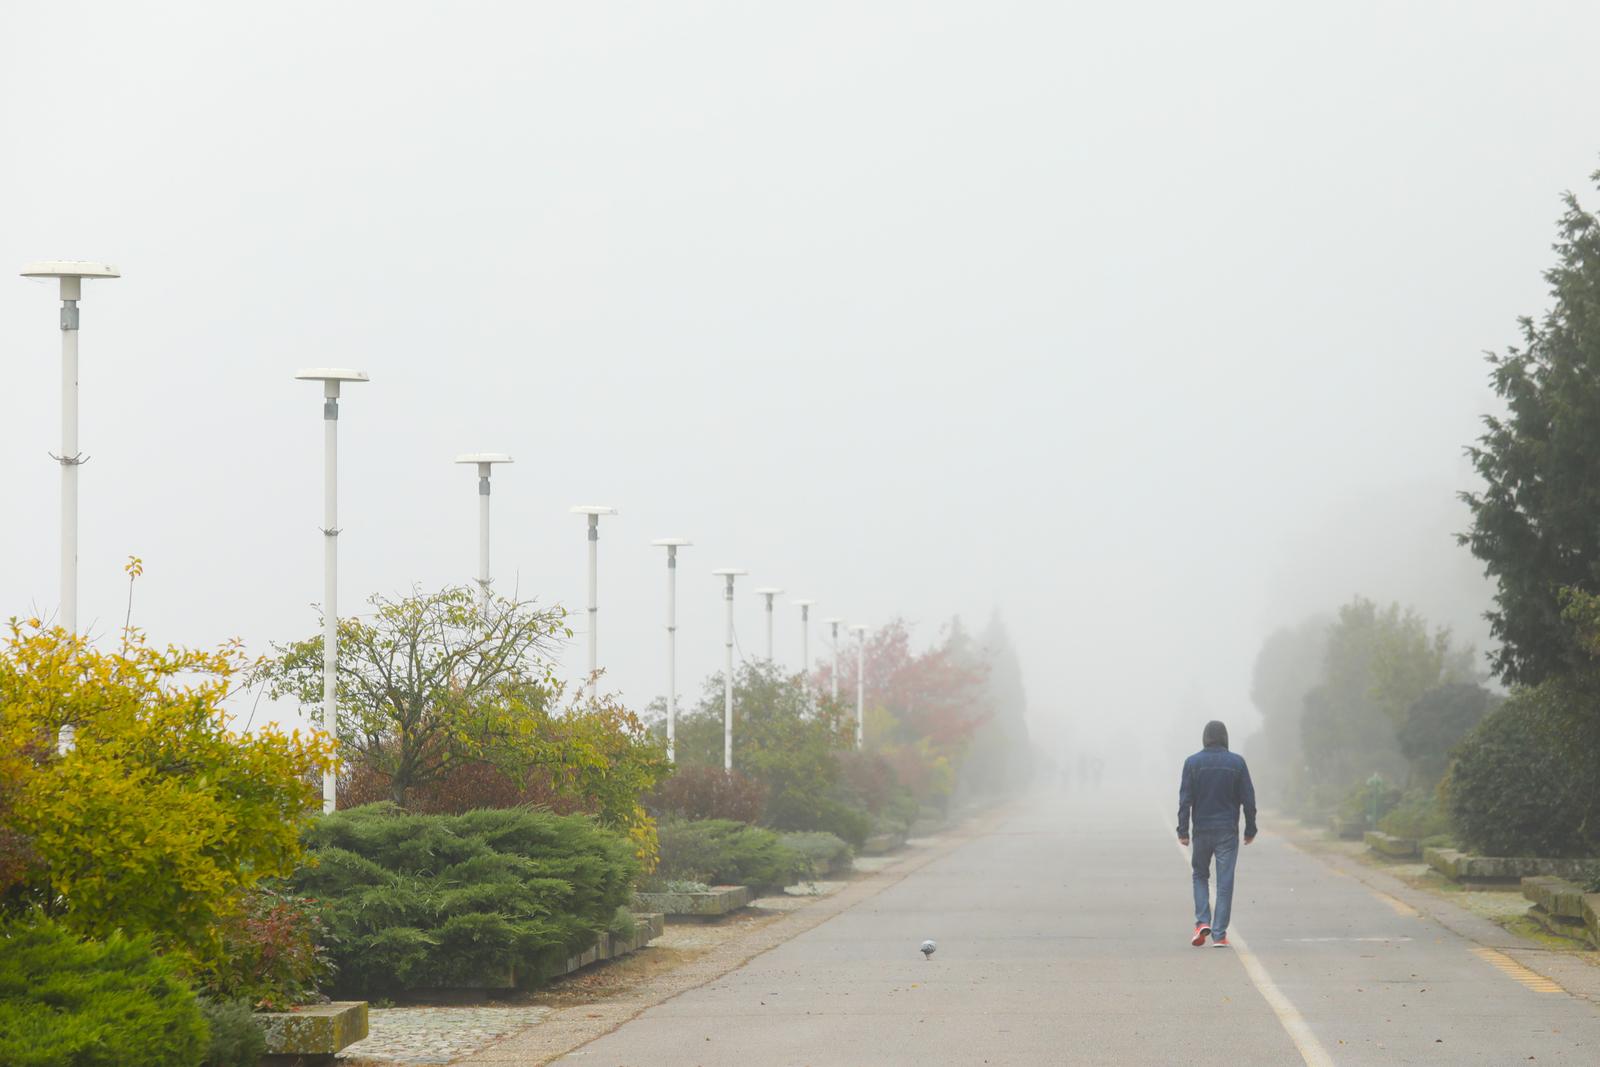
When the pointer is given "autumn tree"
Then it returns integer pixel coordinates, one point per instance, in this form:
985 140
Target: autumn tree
922 707
431 682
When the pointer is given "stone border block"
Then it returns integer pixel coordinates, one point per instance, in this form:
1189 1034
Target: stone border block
1465 867
1591 917
1347 829
314 1029
1391 846
878 844
1556 897
715 902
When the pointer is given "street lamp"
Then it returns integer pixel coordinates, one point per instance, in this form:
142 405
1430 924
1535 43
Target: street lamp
834 625
728 574
805 643
769 591
485 462
330 377
71 274
672 544
594 511
861 683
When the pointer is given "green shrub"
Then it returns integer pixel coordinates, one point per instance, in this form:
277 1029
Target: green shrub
723 852
236 1039
797 810
823 852
1361 801
623 924
71 1003
1516 789
436 901
1419 816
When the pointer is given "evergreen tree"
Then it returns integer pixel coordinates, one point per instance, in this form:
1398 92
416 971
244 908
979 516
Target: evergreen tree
1536 523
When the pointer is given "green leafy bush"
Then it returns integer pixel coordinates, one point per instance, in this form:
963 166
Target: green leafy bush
1362 801
724 852
437 901
795 810
1515 789
71 1003
236 1038
823 852
1419 816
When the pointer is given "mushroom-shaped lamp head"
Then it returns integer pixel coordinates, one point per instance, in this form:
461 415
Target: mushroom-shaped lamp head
331 378
70 268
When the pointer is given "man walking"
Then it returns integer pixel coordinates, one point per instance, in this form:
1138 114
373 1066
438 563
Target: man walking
1216 784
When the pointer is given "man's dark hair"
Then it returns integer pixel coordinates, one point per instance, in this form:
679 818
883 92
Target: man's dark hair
1215 734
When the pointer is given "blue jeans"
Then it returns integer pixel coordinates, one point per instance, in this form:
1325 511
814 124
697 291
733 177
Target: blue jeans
1224 845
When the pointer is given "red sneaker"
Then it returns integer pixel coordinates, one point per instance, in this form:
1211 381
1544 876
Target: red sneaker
1200 932
1221 942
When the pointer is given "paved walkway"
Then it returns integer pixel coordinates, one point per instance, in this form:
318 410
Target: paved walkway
1062 940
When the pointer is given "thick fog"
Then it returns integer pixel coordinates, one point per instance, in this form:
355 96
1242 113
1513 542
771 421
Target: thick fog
1150 327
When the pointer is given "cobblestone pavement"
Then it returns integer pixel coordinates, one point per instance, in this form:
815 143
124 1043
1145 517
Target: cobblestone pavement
437 1035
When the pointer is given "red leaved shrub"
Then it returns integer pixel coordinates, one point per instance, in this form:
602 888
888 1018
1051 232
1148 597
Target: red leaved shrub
273 951
464 788
709 793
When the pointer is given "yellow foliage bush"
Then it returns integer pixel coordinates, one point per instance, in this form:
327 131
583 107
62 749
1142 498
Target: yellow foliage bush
160 815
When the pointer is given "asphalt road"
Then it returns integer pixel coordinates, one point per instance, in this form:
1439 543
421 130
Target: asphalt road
1063 938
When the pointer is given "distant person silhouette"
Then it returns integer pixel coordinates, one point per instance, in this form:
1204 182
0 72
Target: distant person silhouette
1215 786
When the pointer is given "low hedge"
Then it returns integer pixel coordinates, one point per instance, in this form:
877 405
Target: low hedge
65 1002
442 901
823 852
799 811
724 852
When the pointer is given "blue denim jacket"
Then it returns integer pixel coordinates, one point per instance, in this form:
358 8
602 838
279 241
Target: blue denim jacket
1216 784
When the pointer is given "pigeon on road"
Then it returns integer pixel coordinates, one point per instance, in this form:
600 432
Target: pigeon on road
927 949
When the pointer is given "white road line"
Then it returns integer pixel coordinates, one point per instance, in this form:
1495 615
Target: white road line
1294 1024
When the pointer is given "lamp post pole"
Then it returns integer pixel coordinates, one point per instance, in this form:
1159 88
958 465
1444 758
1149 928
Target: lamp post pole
805 646
70 273
728 574
834 625
769 592
672 544
861 684
330 377
485 462
594 511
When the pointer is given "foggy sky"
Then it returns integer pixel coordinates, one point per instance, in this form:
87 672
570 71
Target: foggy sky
1152 327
